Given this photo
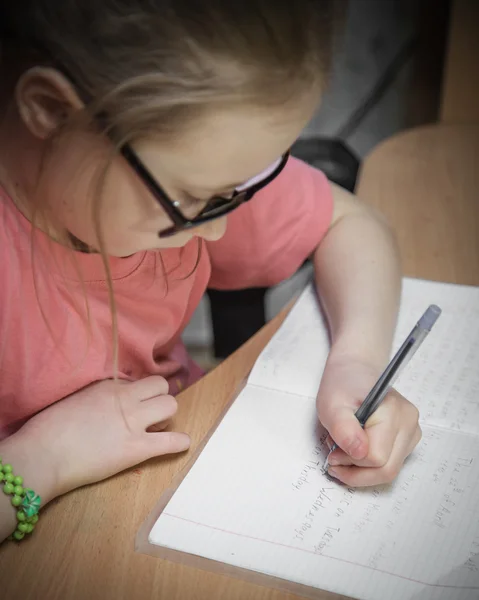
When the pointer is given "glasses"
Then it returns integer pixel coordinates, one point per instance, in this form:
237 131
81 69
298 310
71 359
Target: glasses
216 207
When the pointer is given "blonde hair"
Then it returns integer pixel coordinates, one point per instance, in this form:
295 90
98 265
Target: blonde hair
154 66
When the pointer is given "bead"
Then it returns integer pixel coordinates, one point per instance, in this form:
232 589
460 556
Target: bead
23 527
16 501
18 480
18 489
34 519
31 503
18 535
8 488
30 527
21 516
7 468
9 477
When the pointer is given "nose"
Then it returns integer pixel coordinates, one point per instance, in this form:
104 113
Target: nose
213 230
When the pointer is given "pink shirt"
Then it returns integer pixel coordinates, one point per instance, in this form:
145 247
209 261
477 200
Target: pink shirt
48 347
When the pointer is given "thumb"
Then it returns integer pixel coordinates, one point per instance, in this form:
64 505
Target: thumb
345 430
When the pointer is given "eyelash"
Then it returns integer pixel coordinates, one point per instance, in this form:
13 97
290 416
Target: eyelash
188 200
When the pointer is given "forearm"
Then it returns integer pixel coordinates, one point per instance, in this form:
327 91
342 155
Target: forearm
358 278
27 459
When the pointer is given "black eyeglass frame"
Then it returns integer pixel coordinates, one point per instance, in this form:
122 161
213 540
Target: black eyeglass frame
216 207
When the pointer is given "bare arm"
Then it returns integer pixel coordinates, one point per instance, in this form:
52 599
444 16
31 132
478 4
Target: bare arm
358 277
359 282
89 436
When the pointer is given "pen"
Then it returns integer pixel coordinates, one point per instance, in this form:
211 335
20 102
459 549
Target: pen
394 368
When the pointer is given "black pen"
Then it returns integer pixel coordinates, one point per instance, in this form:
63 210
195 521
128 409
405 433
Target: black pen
394 368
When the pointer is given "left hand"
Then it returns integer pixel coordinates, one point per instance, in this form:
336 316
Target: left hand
373 455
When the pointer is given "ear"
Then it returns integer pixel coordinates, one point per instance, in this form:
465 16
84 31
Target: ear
45 99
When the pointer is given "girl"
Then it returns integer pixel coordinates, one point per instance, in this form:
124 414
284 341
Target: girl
144 157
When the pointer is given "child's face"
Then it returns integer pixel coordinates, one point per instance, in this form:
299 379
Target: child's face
223 151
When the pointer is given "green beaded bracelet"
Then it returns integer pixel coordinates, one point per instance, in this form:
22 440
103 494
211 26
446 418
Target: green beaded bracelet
24 499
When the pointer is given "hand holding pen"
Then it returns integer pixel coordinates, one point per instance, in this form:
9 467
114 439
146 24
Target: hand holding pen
374 399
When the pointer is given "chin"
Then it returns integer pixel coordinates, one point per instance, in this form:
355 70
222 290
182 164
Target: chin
125 252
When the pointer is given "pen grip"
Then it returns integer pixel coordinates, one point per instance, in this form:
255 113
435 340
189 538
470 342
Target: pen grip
385 382
391 373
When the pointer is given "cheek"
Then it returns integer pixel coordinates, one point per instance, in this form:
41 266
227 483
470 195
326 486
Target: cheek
78 188
71 180
121 202
67 187
128 202
84 184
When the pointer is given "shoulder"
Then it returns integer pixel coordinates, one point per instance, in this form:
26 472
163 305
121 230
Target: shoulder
299 200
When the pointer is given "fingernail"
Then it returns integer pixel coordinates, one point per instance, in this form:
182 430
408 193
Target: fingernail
333 461
333 473
354 446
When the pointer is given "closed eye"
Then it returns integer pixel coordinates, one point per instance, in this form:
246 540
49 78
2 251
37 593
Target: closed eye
190 200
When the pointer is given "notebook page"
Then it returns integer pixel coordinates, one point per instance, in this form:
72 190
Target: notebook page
256 498
442 379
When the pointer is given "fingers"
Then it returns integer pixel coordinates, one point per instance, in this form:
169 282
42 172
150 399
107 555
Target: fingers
393 432
344 429
164 442
381 437
358 476
151 416
155 410
158 426
146 388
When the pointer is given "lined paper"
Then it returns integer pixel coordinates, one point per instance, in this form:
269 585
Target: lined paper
256 497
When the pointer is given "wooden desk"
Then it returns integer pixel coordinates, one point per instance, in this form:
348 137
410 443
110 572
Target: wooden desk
427 182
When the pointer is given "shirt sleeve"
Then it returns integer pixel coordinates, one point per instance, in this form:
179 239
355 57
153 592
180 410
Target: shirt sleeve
268 238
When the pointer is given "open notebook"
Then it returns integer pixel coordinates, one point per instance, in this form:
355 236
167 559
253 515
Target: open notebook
256 497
